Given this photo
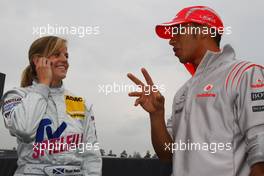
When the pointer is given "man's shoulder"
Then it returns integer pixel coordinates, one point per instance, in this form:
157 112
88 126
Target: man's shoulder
240 69
242 65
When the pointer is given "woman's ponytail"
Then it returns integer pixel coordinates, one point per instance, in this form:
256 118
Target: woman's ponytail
27 77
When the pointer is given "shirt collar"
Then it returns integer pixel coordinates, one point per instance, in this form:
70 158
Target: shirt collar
213 59
53 90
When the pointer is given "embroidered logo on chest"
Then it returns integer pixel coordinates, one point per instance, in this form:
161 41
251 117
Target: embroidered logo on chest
207 92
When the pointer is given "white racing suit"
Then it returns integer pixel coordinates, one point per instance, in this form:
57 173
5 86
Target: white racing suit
217 121
55 131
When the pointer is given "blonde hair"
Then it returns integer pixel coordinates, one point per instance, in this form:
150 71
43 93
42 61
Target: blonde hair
44 47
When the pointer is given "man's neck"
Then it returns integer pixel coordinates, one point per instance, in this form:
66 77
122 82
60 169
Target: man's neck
202 51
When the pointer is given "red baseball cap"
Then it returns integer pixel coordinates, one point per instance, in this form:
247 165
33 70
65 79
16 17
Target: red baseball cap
196 14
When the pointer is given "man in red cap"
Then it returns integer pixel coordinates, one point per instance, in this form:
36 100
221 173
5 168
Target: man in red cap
217 122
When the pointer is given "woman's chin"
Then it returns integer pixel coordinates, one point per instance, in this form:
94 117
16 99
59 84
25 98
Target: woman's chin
59 77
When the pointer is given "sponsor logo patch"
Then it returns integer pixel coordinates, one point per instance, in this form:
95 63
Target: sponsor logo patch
10 104
63 170
207 92
257 96
258 108
258 84
51 141
208 87
75 106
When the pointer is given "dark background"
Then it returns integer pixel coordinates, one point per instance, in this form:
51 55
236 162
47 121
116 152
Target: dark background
111 166
2 83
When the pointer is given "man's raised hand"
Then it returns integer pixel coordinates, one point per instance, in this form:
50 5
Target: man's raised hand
150 100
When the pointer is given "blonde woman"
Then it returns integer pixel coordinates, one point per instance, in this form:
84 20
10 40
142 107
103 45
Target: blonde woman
55 129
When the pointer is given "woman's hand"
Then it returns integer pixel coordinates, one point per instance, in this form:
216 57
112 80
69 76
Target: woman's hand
43 70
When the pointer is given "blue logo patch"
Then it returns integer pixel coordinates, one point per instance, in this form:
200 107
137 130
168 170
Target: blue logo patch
45 125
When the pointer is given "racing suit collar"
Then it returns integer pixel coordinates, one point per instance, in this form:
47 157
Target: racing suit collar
213 59
53 90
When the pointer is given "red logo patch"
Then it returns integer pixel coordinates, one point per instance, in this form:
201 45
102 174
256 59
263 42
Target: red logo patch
259 84
207 88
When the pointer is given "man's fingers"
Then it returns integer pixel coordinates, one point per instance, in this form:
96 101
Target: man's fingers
138 101
135 94
159 97
135 79
147 77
